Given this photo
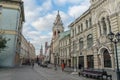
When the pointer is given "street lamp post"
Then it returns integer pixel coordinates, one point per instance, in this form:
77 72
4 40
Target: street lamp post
115 38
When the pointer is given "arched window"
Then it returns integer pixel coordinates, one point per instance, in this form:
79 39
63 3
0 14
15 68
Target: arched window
86 24
99 27
55 33
90 22
78 28
89 40
72 32
81 43
107 59
104 26
81 27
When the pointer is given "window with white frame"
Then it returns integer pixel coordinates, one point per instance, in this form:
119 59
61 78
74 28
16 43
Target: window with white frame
81 27
81 43
86 24
89 40
104 26
90 22
78 28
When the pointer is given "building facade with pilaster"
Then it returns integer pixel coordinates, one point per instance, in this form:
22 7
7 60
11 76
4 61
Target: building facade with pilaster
11 23
64 48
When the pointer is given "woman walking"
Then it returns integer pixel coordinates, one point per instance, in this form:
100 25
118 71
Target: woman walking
62 66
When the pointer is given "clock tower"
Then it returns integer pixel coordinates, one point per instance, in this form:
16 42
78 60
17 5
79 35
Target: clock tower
57 27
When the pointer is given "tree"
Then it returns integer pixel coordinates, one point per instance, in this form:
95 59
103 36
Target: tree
3 42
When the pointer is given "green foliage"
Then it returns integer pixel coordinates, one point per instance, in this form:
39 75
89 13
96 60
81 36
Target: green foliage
3 42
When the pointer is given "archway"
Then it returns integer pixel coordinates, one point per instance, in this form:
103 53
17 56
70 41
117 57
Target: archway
106 58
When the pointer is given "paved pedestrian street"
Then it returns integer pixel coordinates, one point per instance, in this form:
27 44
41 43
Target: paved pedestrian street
37 73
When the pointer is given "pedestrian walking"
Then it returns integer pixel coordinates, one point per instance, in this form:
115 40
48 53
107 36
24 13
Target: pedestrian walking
32 63
63 66
55 67
80 67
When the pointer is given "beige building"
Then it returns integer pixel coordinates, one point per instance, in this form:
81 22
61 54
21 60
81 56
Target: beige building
90 45
51 53
24 50
57 29
27 51
64 48
31 49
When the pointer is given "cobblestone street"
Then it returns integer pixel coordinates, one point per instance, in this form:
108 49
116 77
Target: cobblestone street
37 73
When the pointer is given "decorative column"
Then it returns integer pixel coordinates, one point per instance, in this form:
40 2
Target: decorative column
99 25
85 61
107 24
96 59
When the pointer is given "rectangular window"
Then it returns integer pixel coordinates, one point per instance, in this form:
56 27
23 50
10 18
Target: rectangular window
86 24
81 43
81 27
90 22
81 61
90 61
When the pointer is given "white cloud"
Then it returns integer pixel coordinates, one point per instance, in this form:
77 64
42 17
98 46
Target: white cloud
76 10
37 21
44 23
47 5
32 13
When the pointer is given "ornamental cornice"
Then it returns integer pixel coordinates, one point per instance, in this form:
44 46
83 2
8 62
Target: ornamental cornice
94 6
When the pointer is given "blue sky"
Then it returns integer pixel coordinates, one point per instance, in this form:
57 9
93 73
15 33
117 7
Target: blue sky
40 15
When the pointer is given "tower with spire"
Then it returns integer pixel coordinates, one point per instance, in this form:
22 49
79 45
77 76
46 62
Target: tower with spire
57 26
41 50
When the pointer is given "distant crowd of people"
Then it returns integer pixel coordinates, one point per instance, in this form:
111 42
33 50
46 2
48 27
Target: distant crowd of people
63 65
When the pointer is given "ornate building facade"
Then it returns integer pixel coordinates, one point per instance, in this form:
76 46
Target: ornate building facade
90 45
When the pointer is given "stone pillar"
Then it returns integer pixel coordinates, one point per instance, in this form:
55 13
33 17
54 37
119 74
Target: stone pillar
85 61
112 60
77 61
102 60
101 27
114 23
71 61
107 25
96 59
